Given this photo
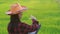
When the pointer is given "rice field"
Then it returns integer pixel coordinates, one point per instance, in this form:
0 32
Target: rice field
47 13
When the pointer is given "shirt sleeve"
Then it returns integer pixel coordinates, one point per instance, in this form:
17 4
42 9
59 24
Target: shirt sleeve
33 27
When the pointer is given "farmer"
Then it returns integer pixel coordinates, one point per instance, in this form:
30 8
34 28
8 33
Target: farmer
15 25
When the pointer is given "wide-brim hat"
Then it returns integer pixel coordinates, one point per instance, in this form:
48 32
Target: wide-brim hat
16 9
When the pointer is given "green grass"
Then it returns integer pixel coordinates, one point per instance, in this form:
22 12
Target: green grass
46 11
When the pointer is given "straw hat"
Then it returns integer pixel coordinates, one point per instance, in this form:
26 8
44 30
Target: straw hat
16 9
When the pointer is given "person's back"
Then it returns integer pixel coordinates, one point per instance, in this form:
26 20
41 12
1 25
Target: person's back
17 27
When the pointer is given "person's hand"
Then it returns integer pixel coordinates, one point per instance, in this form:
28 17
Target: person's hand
32 17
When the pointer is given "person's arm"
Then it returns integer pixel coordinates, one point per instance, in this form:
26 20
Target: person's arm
34 26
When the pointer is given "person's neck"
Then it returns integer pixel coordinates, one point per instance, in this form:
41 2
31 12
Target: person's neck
14 18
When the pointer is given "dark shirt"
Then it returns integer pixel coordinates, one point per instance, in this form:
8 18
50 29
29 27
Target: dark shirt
22 28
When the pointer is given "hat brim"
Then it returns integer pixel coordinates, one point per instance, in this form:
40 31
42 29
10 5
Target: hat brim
21 10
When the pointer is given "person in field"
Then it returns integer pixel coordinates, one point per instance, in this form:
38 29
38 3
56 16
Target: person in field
15 25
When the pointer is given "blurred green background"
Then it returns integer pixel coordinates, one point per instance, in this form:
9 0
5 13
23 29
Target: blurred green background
47 13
